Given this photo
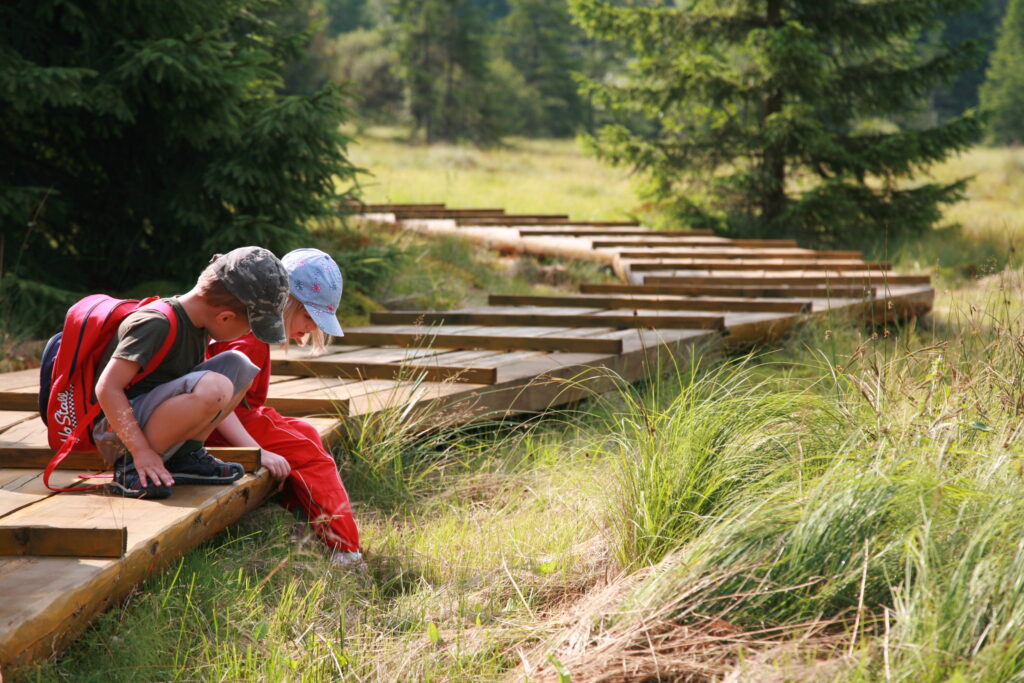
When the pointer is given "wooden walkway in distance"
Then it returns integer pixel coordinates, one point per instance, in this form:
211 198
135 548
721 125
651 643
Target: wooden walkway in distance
65 557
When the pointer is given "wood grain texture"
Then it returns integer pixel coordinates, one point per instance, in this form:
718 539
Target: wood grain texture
47 541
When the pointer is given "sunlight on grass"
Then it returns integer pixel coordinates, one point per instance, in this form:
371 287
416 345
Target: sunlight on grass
522 176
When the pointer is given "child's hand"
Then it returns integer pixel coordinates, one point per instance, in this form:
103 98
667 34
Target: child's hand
151 469
277 465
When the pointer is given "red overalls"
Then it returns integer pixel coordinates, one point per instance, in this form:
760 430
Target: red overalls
313 484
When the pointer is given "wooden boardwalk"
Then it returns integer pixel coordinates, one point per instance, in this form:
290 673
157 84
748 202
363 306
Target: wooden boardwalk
65 557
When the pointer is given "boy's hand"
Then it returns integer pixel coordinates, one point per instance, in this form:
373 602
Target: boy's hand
278 466
151 469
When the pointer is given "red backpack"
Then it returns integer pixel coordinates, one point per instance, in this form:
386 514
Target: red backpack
67 375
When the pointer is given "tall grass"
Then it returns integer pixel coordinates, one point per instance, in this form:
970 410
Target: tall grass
893 547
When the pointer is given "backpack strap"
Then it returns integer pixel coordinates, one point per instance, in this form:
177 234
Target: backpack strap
85 425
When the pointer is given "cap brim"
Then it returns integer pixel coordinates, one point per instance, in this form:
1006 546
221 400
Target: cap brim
328 322
269 329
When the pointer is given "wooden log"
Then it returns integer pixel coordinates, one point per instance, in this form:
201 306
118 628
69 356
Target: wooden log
473 341
48 541
879 279
783 292
312 367
23 456
613 320
752 264
672 304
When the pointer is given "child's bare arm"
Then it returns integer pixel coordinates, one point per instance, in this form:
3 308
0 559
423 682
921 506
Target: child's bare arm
110 393
236 434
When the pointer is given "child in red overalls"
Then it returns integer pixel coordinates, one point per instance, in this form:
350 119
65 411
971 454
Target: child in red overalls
292 447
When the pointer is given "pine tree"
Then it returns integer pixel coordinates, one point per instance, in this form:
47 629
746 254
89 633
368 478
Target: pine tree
538 36
774 117
444 60
138 139
1002 95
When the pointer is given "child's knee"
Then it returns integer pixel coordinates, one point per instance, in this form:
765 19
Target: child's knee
213 392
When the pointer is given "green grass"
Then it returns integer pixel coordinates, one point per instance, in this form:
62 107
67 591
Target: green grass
847 507
522 176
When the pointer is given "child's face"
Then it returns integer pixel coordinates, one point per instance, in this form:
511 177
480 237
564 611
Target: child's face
300 325
228 325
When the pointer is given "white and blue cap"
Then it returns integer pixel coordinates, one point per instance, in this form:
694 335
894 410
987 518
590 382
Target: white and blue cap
315 280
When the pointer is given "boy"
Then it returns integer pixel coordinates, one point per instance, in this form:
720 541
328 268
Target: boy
153 433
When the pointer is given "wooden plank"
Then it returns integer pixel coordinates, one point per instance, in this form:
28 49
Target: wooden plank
386 208
47 541
752 264
698 238
310 367
669 304
569 227
783 292
738 253
473 341
47 601
695 242
19 379
403 214
542 319
23 456
844 279
20 390
10 418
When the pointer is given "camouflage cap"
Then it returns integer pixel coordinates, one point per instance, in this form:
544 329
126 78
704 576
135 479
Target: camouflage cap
260 281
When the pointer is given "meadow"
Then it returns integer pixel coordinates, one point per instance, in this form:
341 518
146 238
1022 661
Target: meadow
846 507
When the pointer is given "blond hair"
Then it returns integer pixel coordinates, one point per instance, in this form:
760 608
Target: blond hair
317 339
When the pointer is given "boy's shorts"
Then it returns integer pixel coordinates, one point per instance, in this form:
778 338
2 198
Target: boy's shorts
234 365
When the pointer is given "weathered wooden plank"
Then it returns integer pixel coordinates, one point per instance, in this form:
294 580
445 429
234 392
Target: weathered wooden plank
20 390
738 253
781 292
659 303
403 214
697 237
368 370
47 601
752 264
474 341
386 208
844 279
22 456
657 240
529 319
46 541
9 418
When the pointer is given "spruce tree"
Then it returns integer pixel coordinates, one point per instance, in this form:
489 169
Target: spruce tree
444 62
1002 95
138 139
538 37
775 117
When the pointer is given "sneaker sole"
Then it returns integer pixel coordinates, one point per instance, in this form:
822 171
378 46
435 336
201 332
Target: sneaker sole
188 479
150 492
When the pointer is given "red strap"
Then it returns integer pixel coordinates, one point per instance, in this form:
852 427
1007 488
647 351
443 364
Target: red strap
94 412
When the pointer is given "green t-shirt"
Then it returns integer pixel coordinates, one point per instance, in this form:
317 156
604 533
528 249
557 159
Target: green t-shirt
141 335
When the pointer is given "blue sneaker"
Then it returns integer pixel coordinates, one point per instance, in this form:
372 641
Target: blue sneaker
193 464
